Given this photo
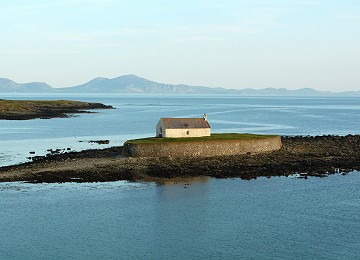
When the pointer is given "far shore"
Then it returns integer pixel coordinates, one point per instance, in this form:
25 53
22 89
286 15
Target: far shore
304 155
44 109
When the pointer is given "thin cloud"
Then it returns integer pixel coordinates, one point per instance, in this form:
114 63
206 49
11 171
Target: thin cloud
347 16
38 5
235 29
211 33
195 38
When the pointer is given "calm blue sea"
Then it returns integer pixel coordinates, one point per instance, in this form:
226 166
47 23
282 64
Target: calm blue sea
136 116
276 218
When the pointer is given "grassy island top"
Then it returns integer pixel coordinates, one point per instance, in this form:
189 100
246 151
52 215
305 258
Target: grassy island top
212 137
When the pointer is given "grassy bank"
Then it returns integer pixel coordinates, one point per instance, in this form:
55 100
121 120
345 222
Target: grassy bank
212 137
30 105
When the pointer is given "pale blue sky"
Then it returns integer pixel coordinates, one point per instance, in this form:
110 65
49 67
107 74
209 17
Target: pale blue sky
232 43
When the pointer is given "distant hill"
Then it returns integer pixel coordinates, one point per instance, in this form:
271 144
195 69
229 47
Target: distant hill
128 84
135 84
7 85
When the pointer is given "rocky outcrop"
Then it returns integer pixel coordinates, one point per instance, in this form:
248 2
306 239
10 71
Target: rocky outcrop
31 109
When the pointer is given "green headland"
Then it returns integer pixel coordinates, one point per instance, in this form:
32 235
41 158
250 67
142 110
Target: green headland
30 109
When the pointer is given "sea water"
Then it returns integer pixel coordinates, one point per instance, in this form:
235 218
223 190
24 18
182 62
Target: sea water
276 218
136 116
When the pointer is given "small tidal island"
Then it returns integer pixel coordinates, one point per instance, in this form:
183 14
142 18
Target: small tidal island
44 109
303 155
207 146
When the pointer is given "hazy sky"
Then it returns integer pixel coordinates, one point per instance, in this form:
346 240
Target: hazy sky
216 43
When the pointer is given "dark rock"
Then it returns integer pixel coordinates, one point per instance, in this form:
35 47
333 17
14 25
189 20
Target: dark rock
100 141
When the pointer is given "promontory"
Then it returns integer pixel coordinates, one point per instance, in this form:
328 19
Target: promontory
31 109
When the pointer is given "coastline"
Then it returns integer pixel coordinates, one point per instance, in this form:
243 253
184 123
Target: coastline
44 109
309 155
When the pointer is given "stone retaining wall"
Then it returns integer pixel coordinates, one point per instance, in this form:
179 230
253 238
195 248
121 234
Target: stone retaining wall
203 148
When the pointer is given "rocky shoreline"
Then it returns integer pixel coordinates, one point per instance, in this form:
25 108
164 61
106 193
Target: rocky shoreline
306 155
32 109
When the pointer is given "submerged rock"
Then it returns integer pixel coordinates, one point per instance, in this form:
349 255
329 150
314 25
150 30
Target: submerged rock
100 141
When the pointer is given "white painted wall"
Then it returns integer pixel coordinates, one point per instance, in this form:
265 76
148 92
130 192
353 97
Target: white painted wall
198 132
161 131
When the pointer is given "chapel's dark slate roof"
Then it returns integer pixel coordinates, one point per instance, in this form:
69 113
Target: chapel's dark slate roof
184 123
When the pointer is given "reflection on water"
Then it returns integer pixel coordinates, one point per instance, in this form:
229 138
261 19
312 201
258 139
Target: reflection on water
70 186
183 181
182 216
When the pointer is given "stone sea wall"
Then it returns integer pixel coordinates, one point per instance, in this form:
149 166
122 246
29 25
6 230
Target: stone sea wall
203 148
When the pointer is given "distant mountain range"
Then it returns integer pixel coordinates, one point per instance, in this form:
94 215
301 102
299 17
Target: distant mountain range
128 84
7 85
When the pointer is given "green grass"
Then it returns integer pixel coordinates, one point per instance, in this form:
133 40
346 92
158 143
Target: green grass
16 105
213 137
